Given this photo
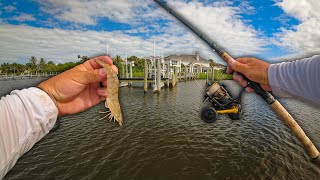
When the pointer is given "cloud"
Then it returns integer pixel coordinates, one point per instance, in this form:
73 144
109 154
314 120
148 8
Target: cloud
23 17
302 10
88 12
223 23
304 38
9 8
220 20
21 42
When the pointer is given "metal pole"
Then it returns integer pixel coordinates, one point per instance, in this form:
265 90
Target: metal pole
127 65
145 79
158 75
212 74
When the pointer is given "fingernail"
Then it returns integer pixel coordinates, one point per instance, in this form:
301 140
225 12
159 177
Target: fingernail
102 71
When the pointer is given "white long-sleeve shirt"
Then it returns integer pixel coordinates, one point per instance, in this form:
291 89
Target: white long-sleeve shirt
26 116
297 78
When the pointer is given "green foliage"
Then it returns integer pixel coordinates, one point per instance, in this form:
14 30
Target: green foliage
117 61
138 74
218 75
212 63
202 76
82 59
34 66
138 64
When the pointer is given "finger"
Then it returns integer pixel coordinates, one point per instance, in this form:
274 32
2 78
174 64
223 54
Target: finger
102 91
239 78
88 77
249 89
238 66
92 64
266 87
105 83
229 70
243 60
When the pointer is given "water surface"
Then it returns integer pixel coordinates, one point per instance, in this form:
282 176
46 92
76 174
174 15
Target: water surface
163 137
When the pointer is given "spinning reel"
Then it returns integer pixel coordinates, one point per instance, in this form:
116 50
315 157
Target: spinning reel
222 103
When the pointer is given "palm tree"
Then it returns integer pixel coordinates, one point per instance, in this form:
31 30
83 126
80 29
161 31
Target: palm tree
117 61
212 63
42 64
32 63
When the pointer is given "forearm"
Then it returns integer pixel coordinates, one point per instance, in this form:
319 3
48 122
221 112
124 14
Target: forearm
298 78
26 116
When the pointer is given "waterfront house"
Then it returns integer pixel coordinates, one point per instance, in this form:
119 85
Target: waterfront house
193 63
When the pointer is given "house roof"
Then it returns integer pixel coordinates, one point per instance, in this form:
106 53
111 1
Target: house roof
187 60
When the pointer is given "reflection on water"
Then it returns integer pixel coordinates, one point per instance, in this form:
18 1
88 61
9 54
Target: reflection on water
163 138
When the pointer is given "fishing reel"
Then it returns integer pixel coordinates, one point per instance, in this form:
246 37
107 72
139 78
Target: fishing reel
222 103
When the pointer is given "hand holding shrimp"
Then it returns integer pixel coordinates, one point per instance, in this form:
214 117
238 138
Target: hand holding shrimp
78 89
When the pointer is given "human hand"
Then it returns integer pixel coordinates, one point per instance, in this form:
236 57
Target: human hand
79 88
252 68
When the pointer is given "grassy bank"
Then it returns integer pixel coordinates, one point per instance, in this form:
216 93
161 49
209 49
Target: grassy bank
218 75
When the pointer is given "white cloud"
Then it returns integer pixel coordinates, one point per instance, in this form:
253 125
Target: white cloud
56 44
9 8
23 17
221 21
302 9
224 25
304 38
87 12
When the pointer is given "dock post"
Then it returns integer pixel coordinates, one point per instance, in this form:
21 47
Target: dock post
207 76
185 74
174 78
212 74
145 79
130 73
158 75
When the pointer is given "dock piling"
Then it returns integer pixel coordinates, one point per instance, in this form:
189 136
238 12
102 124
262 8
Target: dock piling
145 80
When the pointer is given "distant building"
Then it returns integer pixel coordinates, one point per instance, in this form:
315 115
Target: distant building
193 63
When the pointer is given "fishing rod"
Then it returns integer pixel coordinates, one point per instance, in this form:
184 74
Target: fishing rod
268 97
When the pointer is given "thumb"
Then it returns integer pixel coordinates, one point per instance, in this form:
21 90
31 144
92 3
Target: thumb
93 76
237 66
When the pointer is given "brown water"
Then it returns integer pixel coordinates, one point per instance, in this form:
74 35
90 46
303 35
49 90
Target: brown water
163 138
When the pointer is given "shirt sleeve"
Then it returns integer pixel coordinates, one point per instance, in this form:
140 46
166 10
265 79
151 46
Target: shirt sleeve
298 78
26 116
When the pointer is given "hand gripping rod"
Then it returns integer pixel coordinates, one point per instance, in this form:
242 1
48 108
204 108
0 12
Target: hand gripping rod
268 97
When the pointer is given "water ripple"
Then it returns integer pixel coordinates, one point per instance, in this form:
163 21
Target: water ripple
163 138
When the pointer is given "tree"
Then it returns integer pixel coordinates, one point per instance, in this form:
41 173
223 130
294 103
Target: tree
82 59
42 65
138 63
212 63
117 61
32 64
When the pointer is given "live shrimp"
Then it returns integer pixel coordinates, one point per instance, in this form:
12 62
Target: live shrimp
112 100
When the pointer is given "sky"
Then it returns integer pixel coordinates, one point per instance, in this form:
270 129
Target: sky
60 30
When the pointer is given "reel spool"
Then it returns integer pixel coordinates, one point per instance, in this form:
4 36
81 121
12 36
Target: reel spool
222 103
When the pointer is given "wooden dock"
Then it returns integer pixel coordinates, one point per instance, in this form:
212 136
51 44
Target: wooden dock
26 76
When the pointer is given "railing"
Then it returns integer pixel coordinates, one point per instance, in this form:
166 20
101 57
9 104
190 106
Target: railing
5 77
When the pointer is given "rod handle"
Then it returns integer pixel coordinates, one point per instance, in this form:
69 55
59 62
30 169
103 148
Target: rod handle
296 129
